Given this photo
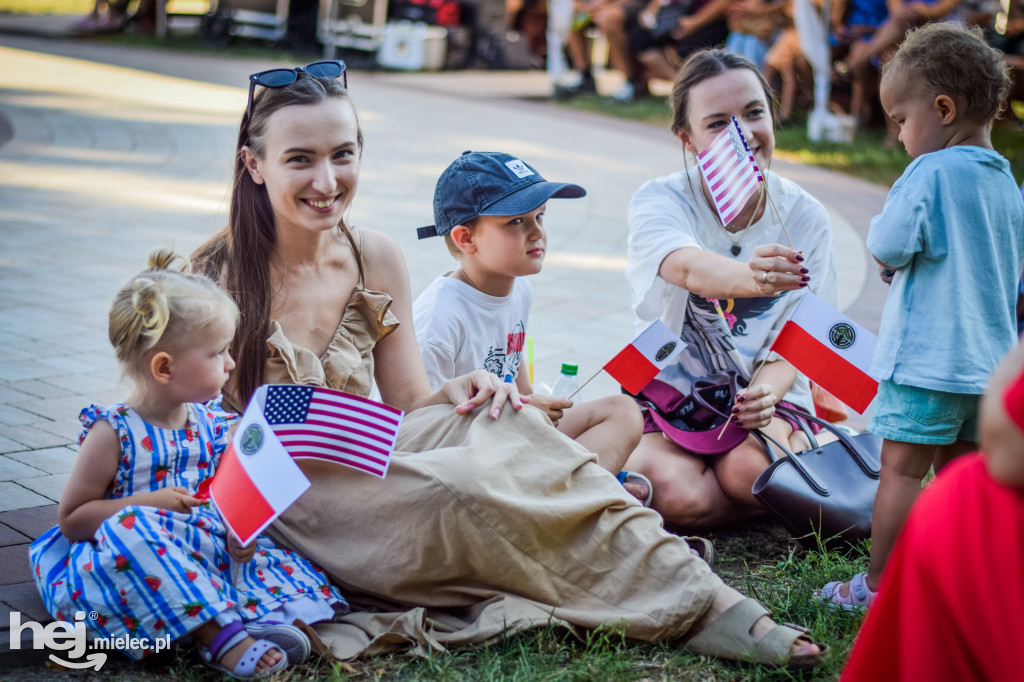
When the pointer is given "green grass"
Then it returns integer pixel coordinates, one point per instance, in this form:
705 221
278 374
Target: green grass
867 158
757 558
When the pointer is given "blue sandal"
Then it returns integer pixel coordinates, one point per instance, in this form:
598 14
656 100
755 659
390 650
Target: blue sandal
634 478
232 635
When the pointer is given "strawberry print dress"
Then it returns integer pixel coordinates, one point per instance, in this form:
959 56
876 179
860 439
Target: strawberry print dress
150 572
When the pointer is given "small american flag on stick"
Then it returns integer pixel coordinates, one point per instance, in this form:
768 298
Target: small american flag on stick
730 171
325 424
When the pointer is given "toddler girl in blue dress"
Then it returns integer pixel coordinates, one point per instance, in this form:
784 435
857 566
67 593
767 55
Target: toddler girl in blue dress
136 548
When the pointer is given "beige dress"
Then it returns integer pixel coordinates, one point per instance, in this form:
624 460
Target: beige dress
481 525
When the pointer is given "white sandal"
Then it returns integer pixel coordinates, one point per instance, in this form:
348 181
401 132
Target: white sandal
858 599
232 635
288 638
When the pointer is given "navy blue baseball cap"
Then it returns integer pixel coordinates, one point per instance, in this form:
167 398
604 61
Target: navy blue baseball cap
490 183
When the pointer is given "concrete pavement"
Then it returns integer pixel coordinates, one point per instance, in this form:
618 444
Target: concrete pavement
112 151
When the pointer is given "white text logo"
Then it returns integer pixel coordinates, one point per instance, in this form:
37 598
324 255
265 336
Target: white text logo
72 637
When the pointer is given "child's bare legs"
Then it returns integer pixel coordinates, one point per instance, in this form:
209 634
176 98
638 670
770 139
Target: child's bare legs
610 427
904 466
206 633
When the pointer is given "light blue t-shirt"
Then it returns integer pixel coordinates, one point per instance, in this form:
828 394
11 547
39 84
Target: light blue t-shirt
954 225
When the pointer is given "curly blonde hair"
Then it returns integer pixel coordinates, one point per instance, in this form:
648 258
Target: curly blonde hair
162 309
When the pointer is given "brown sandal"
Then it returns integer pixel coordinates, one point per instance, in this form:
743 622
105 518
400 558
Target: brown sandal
728 637
703 547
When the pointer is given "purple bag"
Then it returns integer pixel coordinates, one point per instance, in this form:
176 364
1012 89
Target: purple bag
693 421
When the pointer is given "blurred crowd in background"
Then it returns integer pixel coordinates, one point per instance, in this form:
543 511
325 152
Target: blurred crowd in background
647 40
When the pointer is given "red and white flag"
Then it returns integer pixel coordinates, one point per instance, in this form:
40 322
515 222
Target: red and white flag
730 171
257 478
646 355
832 350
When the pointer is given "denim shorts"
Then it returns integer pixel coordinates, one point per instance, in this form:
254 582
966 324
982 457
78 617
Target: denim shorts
919 415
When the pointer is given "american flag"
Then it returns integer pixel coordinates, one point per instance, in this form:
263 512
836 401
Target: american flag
730 171
334 426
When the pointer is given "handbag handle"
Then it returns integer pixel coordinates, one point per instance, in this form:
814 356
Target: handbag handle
817 484
699 385
851 447
804 425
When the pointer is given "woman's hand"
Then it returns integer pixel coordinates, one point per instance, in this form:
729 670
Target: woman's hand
472 390
554 408
754 407
173 498
776 268
241 554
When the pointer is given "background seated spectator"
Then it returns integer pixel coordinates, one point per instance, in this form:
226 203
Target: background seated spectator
855 23
107 16
665 33
865 56
113 16
754 26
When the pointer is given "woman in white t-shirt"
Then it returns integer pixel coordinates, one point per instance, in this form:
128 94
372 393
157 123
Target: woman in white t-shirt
727 290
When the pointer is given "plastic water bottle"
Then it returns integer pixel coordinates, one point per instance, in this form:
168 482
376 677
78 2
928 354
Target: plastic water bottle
567 383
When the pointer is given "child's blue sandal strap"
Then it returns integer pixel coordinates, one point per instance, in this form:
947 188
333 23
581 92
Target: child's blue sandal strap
232 635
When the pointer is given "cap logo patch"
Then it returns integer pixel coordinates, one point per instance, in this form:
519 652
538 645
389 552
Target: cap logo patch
520 169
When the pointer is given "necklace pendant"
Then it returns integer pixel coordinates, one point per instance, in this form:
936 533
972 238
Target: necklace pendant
735 248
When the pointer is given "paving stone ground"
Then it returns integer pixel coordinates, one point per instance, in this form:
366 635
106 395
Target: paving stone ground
107 152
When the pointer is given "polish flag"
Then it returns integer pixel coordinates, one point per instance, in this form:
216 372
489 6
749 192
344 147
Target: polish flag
649 353
832 350
256 479
730 171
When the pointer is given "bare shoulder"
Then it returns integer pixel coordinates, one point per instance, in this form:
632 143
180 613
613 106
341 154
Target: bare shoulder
382 259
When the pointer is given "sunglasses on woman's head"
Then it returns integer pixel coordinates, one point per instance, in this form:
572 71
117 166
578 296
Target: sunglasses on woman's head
278 78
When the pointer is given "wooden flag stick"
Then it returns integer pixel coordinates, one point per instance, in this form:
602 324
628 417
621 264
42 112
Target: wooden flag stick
776 210
592 377
749 383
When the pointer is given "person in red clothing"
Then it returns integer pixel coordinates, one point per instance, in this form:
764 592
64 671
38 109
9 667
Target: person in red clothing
951 597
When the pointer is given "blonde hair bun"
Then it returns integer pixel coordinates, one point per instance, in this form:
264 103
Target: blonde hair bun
161 307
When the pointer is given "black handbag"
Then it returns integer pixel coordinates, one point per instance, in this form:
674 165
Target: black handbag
829 489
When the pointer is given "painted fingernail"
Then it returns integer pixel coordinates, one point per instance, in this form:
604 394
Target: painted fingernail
741 399
803 284
805 278
804 271
734 419
735 410
800 258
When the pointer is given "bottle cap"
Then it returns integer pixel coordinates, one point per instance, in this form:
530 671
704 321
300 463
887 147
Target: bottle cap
569 369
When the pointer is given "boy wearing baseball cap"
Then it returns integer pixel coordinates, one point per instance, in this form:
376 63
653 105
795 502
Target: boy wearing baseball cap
489 207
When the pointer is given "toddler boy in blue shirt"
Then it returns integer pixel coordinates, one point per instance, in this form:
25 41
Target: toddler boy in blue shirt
950 241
